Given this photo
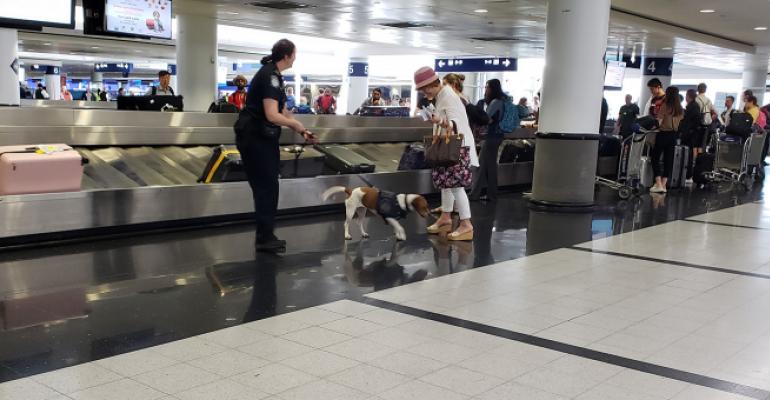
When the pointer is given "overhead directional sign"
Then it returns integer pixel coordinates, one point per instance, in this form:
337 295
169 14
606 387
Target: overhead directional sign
114 67
476 64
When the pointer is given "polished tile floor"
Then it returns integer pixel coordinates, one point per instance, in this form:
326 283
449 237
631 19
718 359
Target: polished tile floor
663 298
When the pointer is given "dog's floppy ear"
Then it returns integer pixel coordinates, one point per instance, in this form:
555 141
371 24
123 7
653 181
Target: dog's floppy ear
420 205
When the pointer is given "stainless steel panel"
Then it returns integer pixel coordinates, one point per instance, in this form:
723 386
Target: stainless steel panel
100 105
59 212
515 174
419 182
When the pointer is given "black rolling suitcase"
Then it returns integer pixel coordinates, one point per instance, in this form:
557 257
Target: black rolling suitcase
225 165
301 162
703 165
342 160
222 106
679 171
413 158
520 150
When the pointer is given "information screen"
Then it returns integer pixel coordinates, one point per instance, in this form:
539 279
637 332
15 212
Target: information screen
144 18
37 13
616 71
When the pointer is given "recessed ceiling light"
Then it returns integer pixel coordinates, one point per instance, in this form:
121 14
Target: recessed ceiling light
481 10
94 47
707 11
760 28
478 47
46 44
667 48
231 13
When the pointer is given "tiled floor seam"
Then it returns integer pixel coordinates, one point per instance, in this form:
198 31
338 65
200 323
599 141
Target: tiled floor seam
637 365
697 221
670 262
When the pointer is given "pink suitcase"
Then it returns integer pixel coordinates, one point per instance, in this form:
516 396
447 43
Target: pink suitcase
40 169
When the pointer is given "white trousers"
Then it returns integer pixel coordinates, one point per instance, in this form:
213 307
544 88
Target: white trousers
456 195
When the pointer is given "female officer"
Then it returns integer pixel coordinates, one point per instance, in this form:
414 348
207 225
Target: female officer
257 132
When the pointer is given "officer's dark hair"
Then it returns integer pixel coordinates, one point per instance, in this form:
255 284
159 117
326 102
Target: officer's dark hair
377 90
163 73
655 82
281 49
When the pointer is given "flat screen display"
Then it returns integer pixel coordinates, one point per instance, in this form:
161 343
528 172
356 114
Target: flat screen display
37 13
143 18
616 71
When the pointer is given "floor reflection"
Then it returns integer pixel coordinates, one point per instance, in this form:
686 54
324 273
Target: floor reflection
67 305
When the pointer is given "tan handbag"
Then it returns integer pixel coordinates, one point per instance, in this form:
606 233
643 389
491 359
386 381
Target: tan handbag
442 149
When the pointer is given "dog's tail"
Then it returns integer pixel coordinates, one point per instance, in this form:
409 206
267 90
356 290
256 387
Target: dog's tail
334 190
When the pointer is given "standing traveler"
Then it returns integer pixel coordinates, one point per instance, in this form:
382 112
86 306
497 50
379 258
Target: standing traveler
524 110
257 133
729 110
495 99
450 114
708 115
291 101
752 108
326 103
603 115
163 88
670 115
238 98
691 128
629 112
40 93
121 91
65 94
656 100
303 107
375 101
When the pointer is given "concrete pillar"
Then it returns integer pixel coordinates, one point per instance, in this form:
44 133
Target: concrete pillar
196 60
567 144
53 82
357 84
9 67
755 75
654 67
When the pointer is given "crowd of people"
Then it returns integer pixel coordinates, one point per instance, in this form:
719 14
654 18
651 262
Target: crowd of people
691 125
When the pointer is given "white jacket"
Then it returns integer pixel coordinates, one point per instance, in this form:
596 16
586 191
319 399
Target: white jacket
449 105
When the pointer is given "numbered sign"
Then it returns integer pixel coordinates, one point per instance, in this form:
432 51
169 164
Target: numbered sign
658 66
358 69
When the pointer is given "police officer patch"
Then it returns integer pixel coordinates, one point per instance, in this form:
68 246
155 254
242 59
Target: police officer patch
275 82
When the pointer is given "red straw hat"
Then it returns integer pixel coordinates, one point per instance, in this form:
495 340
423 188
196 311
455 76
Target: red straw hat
424 77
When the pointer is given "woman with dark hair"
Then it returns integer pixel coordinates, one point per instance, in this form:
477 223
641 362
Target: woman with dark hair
669 117
494 101
256 134
690 129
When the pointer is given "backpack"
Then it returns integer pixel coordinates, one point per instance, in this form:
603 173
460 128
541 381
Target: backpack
705 112
221 106
510 114
740 125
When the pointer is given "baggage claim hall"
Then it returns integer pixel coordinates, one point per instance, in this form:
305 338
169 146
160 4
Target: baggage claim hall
384 200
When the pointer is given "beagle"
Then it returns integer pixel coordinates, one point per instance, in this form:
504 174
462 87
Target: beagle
388 205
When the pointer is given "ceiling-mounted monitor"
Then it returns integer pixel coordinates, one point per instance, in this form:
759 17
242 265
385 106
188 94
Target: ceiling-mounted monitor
614 75
138 18
36 14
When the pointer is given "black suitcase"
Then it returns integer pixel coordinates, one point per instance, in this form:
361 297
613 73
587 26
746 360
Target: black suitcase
413 158
609 146
342 160
740 125
301 162
521 150
679 171
225 165
223 107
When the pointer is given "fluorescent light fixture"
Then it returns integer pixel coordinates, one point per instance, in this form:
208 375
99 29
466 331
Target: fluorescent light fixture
231 13
707 11
760 28
481 10
667 48
478 47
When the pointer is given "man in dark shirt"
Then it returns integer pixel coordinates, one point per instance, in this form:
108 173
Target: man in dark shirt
627 116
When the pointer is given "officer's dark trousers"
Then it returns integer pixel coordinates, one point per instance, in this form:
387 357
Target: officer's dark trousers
262 163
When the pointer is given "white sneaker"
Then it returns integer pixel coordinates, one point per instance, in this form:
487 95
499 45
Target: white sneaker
654 189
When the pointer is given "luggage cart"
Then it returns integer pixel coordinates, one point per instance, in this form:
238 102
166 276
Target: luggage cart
739 163
630 180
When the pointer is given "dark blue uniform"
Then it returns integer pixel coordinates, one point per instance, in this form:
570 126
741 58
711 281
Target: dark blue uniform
259 148
388 207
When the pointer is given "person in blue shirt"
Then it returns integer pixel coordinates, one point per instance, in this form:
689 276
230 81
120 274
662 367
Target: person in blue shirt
303 107
291 101
494 101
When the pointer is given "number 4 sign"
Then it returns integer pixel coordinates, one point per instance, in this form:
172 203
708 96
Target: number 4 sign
658 66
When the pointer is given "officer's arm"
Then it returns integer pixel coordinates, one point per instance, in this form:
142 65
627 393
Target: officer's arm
276 118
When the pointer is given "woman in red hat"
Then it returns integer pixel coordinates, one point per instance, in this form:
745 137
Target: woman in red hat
450 111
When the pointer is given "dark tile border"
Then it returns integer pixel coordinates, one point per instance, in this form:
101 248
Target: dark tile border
641 366
756 228
672 262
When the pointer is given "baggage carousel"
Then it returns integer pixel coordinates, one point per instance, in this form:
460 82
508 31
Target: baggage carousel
144 169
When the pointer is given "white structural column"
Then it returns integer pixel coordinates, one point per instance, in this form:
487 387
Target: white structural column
9 67
755 74
196 59
567 144
53 82
654 67
358 83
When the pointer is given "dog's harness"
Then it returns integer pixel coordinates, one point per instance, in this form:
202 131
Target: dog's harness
389 207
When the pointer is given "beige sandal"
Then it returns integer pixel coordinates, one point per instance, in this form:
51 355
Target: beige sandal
463 237
436 228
